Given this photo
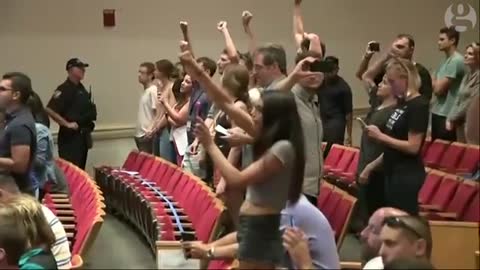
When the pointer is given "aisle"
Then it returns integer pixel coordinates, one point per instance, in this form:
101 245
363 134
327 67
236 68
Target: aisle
118 246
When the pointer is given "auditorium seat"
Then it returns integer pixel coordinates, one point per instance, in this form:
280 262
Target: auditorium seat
430 186
469 163
342 164
326 190
451 157
333 157
341 217
435 152
472 213
348 177
443 195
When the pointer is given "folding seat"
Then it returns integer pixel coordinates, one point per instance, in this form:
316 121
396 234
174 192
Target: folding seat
348 177
342 164
326 190
331 206
456 207
425 146
469 163
130 160
207 223
341 217
451 157
333 157
472 213
443 195
430 186
435 153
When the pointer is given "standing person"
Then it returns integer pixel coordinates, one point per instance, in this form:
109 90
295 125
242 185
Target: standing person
72 108
372 190
335 102
469 90
147 107
403 139
446 83
269 65
275 177
18 141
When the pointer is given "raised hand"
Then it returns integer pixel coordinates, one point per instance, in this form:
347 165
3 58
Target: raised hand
202 133
368 51
184 46
184 26
298 2
246 18
222 26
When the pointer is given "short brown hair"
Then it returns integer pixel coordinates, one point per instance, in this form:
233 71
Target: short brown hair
451 33
166 67
236 79
150 68
274 54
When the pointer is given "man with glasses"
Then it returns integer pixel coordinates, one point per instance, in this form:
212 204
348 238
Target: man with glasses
370 237
270 65
18 139
72 108
405 237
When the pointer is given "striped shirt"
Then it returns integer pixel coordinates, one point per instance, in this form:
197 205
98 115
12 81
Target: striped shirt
60 249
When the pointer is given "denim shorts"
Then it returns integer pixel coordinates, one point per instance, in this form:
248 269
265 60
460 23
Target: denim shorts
260 239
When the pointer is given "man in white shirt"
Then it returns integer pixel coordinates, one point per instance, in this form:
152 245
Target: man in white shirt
370 237
146 108
60 249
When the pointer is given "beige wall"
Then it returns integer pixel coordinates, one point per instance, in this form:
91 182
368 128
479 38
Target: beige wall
39 36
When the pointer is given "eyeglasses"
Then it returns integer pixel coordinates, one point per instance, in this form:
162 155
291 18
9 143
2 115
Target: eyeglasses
3 89
397 222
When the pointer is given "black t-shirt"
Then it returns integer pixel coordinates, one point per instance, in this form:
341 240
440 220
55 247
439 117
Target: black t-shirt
19 130
73 102
426 88
335 99
369 148
410 116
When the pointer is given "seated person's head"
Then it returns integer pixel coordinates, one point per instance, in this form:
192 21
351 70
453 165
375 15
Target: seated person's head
235 80
409 263
13 237
405 237
8 187
370 236
208 65
312 81
29 211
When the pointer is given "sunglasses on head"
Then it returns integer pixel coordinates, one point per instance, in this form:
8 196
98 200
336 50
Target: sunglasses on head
397 222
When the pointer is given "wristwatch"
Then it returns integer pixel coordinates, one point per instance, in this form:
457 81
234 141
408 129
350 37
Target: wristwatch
210 253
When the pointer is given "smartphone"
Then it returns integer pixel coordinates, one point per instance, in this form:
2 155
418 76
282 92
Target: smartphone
320 66
221 130
374 46
187 236
362 123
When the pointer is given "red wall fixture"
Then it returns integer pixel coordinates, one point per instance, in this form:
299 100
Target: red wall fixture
109 17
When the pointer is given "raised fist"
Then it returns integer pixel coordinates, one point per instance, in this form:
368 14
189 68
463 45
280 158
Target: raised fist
246 17
222 25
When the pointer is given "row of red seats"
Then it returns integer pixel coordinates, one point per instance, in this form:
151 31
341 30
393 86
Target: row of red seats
449 197
451 157
149 197
337 206
341 164
81 212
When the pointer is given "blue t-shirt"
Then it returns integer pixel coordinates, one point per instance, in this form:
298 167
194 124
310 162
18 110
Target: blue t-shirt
199 106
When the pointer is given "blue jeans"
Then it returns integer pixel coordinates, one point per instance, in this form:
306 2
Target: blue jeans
166 147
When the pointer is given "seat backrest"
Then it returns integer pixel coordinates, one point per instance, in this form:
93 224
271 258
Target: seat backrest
464 194
138 162
451 157
342 216
472 212
326 190
150 175
352 168
469 162
146 165
435 152
346 159
446 191
332 203
132 156
430 186
334 155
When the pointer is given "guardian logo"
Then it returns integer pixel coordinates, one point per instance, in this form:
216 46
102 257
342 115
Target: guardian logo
462 16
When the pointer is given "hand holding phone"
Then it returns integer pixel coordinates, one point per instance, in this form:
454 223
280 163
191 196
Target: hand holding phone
222 130
374 46
362 123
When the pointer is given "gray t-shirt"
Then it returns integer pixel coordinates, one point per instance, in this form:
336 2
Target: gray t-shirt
273 192
321 241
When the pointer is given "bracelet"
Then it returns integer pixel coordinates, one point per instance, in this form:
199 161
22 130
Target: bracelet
211 253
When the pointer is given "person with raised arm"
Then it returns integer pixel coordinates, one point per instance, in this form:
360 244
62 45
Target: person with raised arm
274 177
305 41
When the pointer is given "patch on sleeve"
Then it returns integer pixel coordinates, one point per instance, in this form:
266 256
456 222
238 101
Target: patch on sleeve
57 93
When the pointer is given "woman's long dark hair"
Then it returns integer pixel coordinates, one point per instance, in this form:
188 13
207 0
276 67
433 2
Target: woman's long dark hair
34 103
282 122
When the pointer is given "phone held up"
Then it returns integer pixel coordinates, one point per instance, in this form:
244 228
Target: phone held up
374 46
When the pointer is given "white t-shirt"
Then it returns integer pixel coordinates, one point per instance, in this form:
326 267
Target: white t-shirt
60 250
146 110
375 263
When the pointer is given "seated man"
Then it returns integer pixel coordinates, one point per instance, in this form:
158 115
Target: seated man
60 249
405 237
302 222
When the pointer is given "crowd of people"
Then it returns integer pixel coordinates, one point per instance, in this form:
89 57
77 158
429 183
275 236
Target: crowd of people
256 138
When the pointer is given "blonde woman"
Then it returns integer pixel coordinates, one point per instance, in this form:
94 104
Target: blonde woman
403 138
32 226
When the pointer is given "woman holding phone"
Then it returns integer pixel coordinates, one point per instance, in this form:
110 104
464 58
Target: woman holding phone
371 195
403 138
275 177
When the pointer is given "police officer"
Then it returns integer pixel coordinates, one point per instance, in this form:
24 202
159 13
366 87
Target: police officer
72 108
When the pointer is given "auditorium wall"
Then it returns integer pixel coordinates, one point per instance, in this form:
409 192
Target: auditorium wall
39 36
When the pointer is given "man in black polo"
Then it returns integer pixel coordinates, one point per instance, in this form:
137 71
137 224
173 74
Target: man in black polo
72 108
18 141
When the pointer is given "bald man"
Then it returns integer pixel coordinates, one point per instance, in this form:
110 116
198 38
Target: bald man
370 237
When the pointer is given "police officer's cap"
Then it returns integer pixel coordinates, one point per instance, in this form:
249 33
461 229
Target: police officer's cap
75 62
